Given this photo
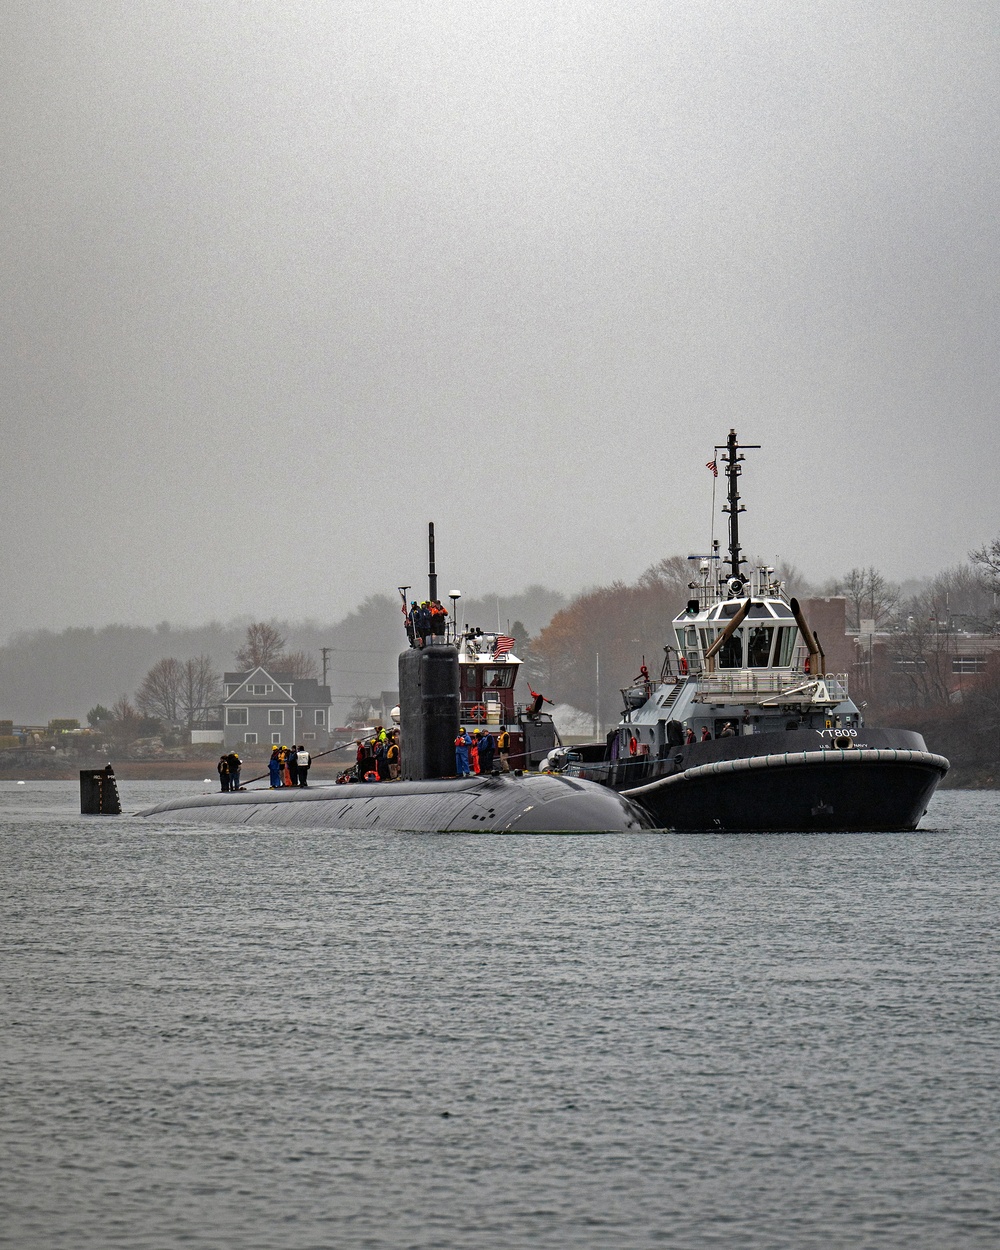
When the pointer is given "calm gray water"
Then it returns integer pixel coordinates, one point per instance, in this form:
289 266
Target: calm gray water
280 1039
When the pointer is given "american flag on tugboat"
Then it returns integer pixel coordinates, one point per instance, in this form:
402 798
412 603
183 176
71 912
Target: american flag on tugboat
502 645
714 467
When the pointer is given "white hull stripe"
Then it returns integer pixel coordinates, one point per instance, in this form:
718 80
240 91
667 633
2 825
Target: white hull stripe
793 759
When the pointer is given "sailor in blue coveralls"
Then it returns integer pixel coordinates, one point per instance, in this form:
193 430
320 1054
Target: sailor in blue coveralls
462 744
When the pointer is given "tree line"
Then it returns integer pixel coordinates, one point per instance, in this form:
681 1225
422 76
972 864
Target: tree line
189 693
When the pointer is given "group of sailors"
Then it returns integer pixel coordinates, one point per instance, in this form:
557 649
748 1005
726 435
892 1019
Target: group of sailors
228 769
289 766
727 731
378 758
477 752
425 620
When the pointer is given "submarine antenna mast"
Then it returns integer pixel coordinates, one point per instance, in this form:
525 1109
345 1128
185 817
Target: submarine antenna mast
732 462
432 577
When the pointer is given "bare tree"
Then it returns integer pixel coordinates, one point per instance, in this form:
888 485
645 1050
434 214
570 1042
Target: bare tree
263 646
919 657
124 727
300 665
988 559
982 705
160 692
964 599
794 580
361 709
869 597
123 710
201 691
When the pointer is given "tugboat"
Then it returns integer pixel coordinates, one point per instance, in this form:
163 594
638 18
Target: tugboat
745 729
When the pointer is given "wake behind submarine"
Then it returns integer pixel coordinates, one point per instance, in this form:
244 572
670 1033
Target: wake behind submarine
429 797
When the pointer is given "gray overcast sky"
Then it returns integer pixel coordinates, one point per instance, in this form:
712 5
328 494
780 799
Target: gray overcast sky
286 279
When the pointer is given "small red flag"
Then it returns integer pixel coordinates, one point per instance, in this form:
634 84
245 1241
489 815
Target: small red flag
714 467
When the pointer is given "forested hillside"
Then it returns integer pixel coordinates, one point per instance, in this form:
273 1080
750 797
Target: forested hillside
46 674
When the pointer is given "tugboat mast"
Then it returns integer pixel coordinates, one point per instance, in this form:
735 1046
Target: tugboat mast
733 470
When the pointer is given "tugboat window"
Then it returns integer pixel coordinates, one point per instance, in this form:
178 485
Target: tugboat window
731 652
785 646
759 647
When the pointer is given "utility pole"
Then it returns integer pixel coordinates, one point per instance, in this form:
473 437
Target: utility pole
597 707
325 652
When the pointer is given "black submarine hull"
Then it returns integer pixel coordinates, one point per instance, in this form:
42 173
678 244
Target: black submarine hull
533 803
835 791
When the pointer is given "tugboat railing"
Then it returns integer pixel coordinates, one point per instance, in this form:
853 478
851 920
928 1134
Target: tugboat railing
747 685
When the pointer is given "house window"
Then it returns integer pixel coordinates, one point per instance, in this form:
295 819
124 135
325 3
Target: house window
261 689
309 737
968 664
231 689
237 716
275 715
275 739
251 738
321 717
298 713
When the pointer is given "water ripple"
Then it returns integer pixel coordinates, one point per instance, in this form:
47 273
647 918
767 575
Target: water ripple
298 1039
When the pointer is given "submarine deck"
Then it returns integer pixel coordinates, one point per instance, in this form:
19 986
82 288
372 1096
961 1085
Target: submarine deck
533 803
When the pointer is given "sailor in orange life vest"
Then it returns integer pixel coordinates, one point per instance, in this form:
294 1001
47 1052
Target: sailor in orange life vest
536 702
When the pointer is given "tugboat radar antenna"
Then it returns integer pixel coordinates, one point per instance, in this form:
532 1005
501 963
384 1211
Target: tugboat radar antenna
732 462
432 577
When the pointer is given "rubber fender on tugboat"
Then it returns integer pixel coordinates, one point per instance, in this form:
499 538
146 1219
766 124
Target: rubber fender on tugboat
857 756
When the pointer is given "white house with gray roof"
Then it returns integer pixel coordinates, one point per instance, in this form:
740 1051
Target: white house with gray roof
260 708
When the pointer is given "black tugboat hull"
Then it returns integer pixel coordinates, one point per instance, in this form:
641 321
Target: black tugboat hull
849 791
504 804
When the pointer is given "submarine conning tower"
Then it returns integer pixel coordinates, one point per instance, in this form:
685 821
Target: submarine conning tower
429 698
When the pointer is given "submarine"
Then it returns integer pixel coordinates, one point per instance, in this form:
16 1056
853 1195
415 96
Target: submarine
434 672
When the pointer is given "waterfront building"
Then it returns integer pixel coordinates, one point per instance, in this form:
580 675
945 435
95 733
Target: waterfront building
261 708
